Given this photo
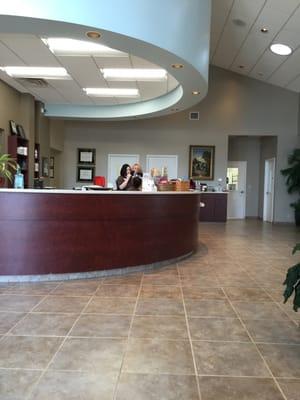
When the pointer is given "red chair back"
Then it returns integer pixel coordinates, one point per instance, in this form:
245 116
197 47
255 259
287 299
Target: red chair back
99 180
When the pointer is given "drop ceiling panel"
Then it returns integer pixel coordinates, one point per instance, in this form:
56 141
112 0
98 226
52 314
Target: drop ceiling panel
49 95
148 90
284 6
101 101
219 13
8 58
83 70
115 84
288 71
233 36
138 62
70 91
294 85
31 49
294 22
267 64
113 62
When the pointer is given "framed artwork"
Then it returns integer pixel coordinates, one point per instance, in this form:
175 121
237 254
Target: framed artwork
201 162
21 131
51 173
45 166
51 162
86 156
85 174
13 127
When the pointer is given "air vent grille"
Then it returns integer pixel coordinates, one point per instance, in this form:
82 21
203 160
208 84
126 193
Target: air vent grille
194 115
33 82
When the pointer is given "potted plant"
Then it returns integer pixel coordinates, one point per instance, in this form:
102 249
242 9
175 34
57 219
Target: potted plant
292 282
292 174
7 166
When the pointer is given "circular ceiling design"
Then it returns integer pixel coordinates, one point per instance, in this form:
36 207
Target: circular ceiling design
140 61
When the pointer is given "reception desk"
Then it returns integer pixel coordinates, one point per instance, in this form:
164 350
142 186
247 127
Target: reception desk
64 231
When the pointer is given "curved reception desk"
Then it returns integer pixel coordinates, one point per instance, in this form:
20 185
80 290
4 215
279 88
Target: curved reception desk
66 232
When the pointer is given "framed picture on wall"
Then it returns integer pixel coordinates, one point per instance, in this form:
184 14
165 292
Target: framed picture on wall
85 174
86 156
13 127
45 166
21 131
201 162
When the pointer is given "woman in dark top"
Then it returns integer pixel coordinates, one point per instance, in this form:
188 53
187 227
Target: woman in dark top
124 180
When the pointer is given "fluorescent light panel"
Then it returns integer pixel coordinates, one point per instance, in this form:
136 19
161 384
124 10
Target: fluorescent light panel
37 72
134 74
111 92
73 47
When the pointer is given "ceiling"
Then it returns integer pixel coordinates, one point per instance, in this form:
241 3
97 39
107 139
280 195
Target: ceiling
244 49
236 44
30 50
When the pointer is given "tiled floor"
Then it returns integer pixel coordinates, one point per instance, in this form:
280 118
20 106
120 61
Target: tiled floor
212 327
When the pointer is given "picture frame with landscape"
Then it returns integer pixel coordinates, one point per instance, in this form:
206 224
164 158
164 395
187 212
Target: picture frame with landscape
201 162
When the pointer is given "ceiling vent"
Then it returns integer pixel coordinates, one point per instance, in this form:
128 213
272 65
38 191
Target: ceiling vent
33 82
194 115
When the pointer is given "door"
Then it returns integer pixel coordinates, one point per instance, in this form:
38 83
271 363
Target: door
236 177
269 190
115 162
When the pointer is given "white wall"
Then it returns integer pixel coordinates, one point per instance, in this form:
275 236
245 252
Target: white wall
235 105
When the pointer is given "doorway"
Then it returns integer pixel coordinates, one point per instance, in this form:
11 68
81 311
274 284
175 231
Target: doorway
236 181
268 213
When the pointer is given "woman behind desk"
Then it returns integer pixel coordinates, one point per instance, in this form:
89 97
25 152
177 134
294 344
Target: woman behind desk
124 180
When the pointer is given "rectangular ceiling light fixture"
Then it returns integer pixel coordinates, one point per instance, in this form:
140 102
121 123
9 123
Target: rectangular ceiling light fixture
134 74
111 92
37 72
72 47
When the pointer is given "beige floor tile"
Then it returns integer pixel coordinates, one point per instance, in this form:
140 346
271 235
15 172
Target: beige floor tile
164 292
156 356
159 307
227 358
57 304
154 387
197 292
248 310
209 308
8 320
17 384
132 279
217 329
283 360
95 325
161 279
247 294
13 302
93 355
118 290
290 387
27 351
270 331
111 305
45 324
75 288
73 385
200 281
33 288
159 327
227 388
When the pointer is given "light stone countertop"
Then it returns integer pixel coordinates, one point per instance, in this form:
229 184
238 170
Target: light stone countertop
89 192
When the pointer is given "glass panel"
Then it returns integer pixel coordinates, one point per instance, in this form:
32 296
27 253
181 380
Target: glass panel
232 178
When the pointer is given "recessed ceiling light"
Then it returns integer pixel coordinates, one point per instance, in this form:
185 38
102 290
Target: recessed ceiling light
177 66
73 47
37 72
264 30
174 109
195 92
134 74
111 92
280 49
93 34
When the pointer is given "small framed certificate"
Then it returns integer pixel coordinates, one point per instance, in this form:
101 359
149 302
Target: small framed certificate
85 174
86 156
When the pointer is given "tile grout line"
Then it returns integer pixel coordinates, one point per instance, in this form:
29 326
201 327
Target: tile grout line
114 397
59 347
256 347
190 341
